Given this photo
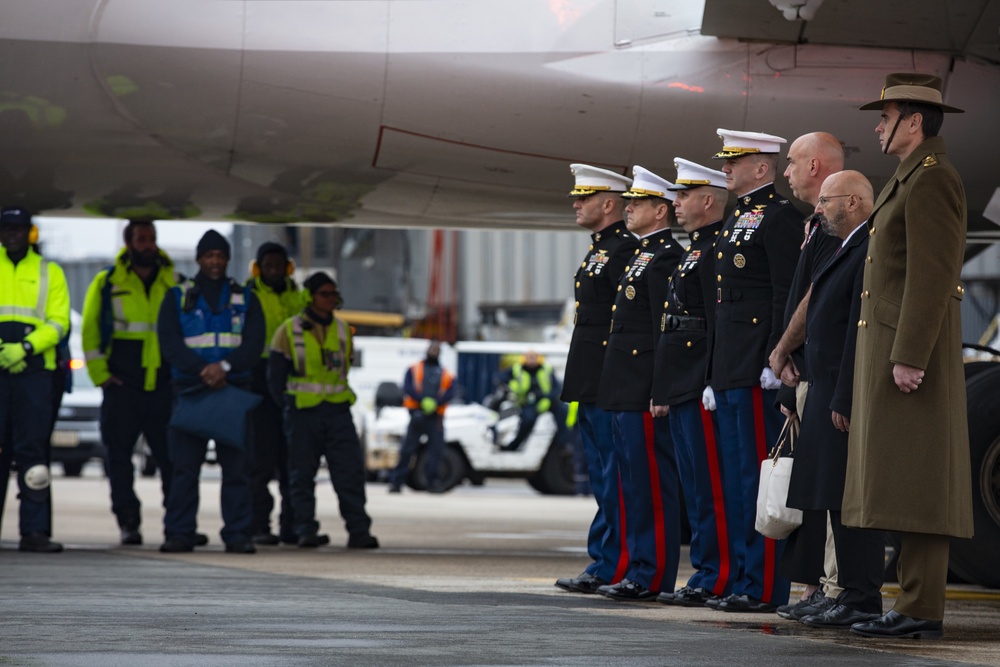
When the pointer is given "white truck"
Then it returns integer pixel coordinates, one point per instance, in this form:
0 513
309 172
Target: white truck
473 432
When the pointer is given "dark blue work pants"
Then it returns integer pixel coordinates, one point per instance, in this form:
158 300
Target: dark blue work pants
432 426
270 458
25 421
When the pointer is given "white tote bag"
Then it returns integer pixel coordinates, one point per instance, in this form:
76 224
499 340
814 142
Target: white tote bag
774 518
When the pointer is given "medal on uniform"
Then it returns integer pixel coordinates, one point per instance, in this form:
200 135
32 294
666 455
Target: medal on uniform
629 292
740 261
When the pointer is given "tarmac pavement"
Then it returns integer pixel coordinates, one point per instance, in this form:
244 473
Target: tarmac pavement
463 578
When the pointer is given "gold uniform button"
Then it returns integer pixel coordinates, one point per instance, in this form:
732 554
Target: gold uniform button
577 304
718 279
665 304
720 255
688 343
688 248
737 243
605 343
635 353
614 308
725 234
868 259
590 275
737 214
637 251
619 288
583 265
865 294
577 283
591 246
755 320
871 232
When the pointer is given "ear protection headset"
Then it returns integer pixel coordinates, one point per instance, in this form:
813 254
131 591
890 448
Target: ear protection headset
33 235
255 268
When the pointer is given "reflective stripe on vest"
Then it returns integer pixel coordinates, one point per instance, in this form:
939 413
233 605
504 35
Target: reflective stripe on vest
38 313
313 386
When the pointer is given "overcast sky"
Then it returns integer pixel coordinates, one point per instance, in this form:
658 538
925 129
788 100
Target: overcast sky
100 238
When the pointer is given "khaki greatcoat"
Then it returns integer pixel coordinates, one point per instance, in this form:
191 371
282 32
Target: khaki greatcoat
908 454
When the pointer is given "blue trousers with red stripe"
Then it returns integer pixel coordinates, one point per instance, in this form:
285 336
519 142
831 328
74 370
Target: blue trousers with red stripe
606 540
650 494
748 425
695 432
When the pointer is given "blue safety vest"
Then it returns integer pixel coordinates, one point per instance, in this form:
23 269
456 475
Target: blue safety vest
213 336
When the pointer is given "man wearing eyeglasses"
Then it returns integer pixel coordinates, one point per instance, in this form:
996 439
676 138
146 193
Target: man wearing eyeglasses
307 374
908 466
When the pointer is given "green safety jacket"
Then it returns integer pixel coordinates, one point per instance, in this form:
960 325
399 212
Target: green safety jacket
33 292
520 381
277 307
118 307
319 369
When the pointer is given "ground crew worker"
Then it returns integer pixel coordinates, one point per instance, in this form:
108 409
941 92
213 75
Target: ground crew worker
307 373
427 390
34 316
600 210
211 333
686 321
536 390
646 460
122 352
755 258
271 280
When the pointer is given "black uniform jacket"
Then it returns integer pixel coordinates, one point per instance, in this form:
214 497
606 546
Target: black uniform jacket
817 250
817 481
596 283
627 378
756 254
686 317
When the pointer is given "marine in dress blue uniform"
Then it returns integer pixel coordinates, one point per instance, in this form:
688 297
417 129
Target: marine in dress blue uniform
755 257
599 209
687 317
647 464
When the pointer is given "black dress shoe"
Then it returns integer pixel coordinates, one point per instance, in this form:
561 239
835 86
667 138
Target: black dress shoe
131 536
585 583
244 547
687 597
313 540
39 543
268 539
200 539
174 545
628 591
893 625
365 541
839 616
746 604
785 610
824 604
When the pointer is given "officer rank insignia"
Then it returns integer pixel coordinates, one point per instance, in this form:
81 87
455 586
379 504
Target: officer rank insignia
930 161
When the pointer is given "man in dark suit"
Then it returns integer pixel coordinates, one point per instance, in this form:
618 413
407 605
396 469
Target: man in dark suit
817 483
642 443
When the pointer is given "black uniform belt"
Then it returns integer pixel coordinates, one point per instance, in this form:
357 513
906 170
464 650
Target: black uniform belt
681 323
635 316
749 293
599 313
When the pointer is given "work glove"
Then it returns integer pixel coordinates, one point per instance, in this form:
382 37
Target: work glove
18 367
768 380
708 399
10 354
428 405
544 405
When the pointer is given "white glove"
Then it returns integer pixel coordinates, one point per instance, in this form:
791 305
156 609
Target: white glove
767 379
708 399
